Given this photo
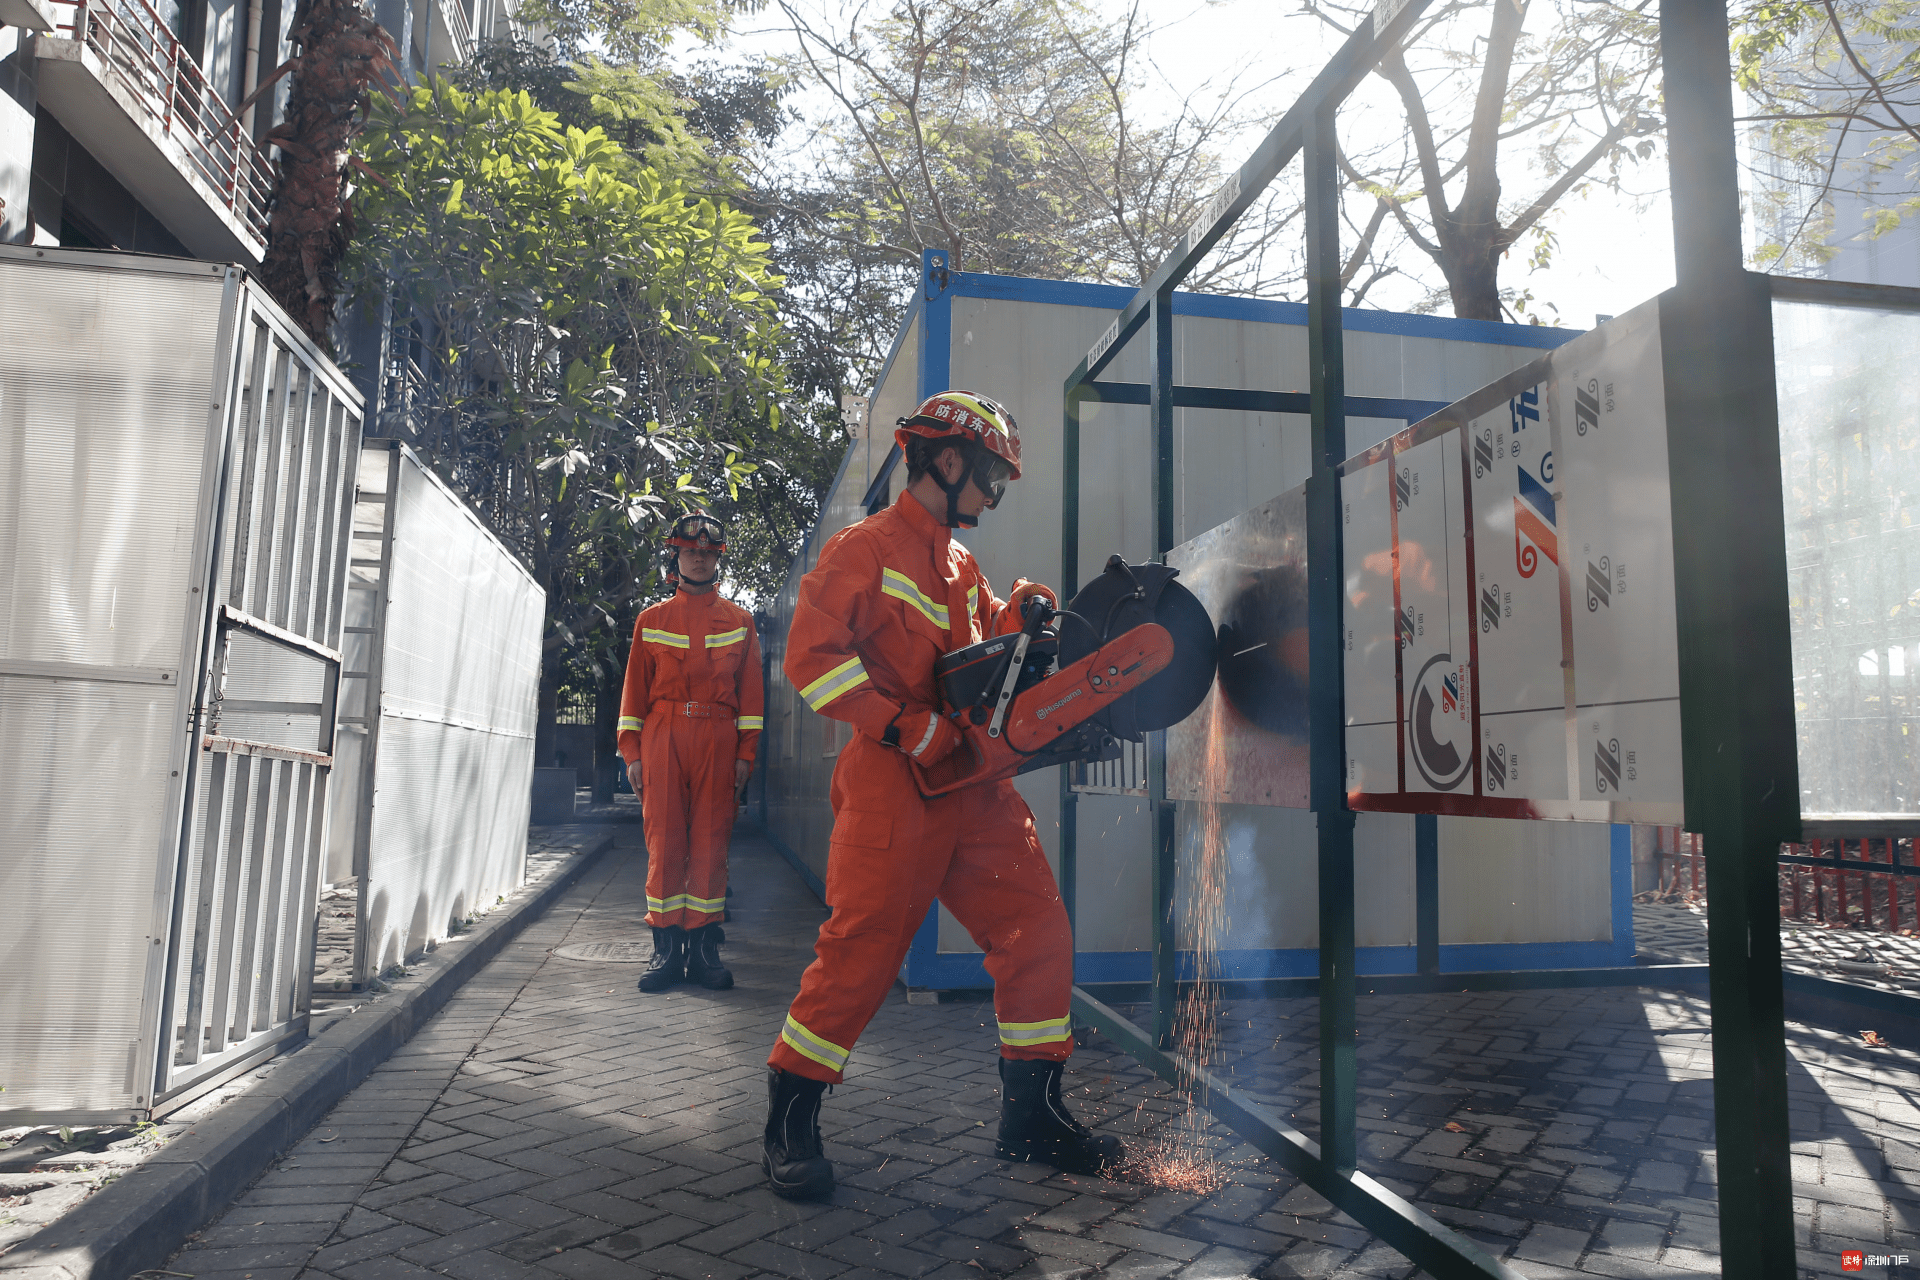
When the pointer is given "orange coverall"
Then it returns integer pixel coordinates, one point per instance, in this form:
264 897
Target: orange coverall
693 704
889 596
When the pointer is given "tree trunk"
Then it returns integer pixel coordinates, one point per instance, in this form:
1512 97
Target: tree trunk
606 737
543 733
343 52
1471 263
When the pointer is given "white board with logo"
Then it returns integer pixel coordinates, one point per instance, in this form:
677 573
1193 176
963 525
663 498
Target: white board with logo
1510 641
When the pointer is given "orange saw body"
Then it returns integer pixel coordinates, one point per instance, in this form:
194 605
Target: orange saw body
1045 723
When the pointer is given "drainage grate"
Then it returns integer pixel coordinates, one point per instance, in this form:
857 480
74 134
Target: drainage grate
607 952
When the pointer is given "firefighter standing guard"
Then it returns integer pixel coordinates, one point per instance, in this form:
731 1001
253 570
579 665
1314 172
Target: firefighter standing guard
887 599
690 718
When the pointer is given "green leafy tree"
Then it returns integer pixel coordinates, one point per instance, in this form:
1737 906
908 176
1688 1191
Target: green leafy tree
1835 90
837 309
599 343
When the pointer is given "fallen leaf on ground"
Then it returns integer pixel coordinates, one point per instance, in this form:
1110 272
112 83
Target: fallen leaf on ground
1454 1127
1875 1039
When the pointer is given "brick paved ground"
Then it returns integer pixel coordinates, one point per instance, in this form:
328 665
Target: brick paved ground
1676 933
553 1122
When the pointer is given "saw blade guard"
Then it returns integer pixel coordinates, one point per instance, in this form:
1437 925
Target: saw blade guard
1125 596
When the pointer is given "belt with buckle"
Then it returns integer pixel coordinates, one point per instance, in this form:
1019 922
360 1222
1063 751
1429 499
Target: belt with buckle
699 710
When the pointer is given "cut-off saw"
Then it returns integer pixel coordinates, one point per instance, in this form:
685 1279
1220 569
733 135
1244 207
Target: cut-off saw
1133 652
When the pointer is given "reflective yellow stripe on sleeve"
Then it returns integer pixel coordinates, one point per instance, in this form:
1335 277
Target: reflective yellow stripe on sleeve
901 587
743 723
973 600
809 1045
836 682
653 635
736 636
1027 1034
630 722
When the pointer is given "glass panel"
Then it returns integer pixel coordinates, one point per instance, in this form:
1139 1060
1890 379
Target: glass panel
1850 461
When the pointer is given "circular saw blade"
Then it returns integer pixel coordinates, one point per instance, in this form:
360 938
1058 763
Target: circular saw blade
1126 596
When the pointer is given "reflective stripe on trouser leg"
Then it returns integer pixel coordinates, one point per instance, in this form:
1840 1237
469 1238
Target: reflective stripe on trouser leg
884 862
998 886
687 767
1033 1035
995 880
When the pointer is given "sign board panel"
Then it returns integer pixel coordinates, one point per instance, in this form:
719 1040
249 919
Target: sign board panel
1508 566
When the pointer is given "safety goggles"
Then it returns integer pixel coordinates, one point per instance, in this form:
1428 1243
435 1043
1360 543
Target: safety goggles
696 531
991 472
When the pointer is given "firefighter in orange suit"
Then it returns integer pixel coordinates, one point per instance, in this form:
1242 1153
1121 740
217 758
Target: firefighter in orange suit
888 596
690 717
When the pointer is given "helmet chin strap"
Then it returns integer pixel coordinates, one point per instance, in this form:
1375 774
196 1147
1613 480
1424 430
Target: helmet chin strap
684 580
954 519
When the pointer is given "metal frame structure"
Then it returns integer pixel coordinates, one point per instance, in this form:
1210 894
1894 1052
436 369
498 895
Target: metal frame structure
242 442
932 308
1738 724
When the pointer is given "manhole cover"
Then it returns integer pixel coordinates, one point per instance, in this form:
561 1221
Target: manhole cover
607 952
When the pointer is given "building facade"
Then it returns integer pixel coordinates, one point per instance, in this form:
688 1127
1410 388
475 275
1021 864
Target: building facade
124 124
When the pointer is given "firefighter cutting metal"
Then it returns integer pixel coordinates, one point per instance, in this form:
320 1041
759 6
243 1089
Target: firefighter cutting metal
897 632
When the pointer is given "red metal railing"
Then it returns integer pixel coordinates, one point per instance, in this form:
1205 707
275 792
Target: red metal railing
143 54
1677 864
1836 882
1865 883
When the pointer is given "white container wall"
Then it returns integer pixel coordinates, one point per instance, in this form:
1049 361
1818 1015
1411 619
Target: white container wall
176 482
1017 340
437 714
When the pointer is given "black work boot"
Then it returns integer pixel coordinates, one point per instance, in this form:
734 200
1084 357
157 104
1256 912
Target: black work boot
797 1165
703 959
669 963
1035 1125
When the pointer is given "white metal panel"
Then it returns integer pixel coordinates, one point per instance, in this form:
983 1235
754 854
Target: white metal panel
104 434
1507 881
457 701
128 403
1609 410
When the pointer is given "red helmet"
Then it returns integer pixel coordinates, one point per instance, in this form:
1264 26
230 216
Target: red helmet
697 529
694 529
970 415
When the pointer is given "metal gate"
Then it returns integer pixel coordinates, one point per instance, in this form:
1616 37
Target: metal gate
176 486
243 907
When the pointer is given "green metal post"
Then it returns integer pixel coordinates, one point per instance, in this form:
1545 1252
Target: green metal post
1327 700
1738 739
1069 586
1160 415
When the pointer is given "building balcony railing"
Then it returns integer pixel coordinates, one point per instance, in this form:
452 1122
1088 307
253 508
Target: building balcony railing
135 54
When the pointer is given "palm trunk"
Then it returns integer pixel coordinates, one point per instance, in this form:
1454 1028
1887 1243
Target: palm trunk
343 53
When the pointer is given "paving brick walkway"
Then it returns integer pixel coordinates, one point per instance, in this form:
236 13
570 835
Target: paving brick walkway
553 1122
